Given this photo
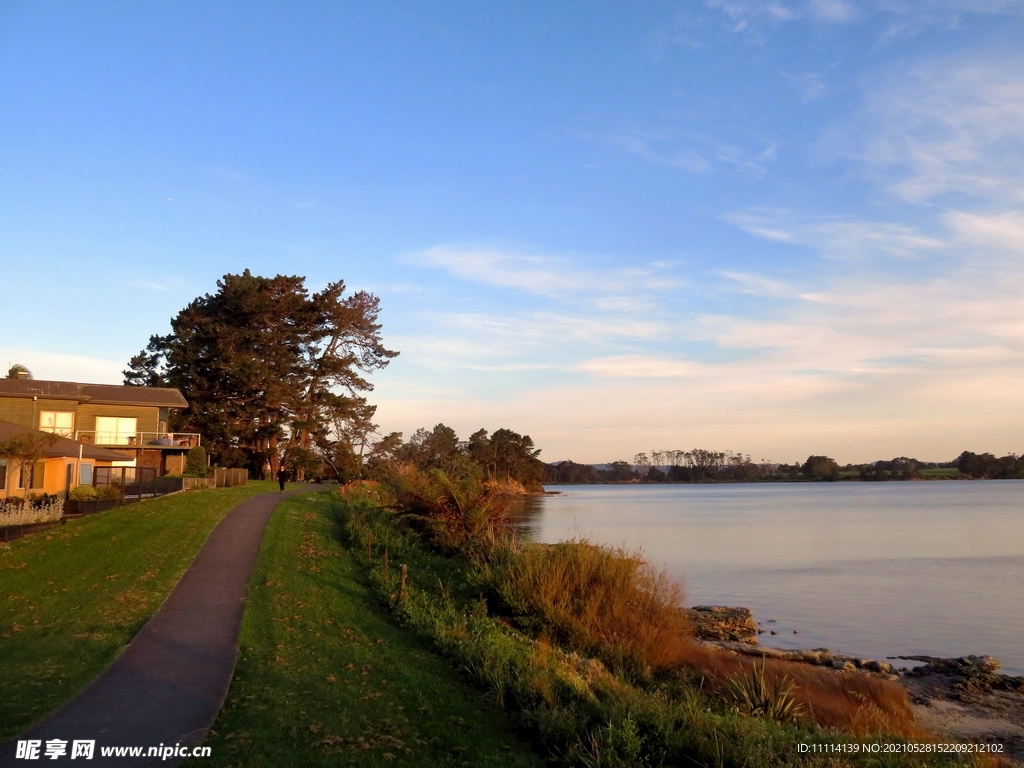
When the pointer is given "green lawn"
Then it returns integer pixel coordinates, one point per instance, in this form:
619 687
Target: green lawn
73 596
324 678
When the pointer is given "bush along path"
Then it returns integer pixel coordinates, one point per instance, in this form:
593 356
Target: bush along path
578 709
169 683
324 677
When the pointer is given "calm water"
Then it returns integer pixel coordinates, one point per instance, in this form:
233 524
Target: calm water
865 569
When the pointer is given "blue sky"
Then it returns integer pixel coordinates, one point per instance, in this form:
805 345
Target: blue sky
775 227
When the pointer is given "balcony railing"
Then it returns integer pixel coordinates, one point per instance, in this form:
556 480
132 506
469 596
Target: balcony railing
139 439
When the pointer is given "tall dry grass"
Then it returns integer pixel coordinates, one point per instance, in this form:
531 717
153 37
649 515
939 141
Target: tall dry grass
612 604
851 701
368 491
596 600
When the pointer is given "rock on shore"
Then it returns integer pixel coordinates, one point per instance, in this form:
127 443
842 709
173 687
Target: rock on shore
719 622
966 699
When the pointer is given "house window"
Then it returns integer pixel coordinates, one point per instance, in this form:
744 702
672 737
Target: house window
85 474
57 422
111 430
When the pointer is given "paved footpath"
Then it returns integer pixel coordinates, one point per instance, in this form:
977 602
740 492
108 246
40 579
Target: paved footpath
168 685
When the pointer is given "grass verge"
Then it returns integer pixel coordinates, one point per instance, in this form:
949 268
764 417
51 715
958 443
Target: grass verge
325 678
73 596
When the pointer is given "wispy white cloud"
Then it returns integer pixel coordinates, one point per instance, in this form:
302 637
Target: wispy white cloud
968 312
542 275
911 17
835 11
700 155
758 285
837 237
742 13
1001 232
752 15
642 146
902 19
640 367
948 127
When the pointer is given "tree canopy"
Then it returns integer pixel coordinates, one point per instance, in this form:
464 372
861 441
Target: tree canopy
18 371
27 449
267 367
504 456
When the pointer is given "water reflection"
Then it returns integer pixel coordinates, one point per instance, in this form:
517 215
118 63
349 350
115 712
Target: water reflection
865 569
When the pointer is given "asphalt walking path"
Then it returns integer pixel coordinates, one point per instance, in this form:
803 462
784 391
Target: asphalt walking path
168 685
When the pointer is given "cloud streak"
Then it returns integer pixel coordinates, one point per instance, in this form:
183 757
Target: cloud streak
549 276
941 128
837 237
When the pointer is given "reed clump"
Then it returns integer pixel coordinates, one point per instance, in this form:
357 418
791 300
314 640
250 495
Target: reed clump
603 602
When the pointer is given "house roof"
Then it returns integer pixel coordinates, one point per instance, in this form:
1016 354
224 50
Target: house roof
104 394
60 447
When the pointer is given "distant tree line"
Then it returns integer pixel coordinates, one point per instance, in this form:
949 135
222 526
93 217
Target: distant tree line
706 466
986 465
504 457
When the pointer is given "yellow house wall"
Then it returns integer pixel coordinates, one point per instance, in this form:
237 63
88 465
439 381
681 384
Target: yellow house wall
54 477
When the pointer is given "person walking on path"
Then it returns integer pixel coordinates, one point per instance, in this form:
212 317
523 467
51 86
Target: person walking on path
282 475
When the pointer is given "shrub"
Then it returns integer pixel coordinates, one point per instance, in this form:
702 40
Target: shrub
41 510
83 493
755 693
111 492
596 600
366 491
195 464
457 513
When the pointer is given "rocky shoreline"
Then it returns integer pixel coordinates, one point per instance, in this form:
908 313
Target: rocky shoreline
962 698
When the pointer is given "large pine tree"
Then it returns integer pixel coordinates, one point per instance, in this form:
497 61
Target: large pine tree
268 367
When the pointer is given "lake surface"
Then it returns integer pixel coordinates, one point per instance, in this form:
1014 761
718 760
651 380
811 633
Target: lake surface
865 569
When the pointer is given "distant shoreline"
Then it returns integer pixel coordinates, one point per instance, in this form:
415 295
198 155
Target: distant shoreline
775 481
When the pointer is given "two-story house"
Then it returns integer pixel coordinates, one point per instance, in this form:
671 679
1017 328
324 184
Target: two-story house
128 425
